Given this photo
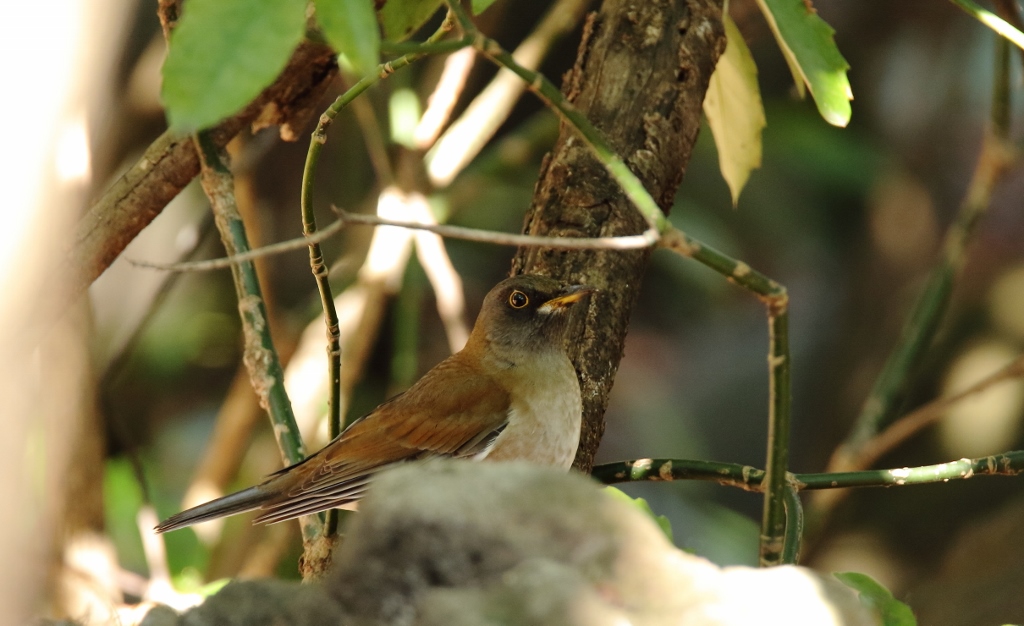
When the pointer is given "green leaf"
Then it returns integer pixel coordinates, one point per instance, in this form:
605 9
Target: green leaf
350 26
223 53
806 42
878 598
479 6
401 18
734 111
641 505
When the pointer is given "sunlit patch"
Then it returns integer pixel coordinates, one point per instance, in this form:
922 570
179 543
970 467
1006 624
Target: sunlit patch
391 244
989 421
1006 302
73 160
199 492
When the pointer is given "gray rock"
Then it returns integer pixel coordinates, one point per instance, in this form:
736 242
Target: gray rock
458 543
255 603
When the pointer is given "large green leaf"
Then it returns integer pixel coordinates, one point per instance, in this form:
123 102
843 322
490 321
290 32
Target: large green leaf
401 18
878 598
810 50
350 26
223 53
734 111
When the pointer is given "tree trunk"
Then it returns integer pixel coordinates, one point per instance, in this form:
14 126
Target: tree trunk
640 76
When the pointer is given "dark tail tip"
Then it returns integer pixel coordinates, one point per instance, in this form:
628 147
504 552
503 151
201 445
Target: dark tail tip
232 504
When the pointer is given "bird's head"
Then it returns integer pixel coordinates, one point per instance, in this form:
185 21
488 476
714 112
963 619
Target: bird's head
527 312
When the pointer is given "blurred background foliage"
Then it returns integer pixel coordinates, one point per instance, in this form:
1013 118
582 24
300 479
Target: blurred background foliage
850 220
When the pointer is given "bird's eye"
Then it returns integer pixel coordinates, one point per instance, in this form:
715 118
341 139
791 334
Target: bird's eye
517 299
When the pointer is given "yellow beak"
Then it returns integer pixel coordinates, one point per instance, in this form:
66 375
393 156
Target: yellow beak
573 295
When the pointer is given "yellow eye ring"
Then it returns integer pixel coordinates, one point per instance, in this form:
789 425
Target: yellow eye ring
517 299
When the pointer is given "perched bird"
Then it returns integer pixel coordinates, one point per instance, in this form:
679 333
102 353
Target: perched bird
509 394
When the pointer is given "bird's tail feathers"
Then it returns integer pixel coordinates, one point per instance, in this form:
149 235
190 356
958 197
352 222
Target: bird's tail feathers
240 502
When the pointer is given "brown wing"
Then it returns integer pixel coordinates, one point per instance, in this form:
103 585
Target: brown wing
454 410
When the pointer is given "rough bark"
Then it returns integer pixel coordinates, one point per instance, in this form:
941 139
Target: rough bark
641 73
171 162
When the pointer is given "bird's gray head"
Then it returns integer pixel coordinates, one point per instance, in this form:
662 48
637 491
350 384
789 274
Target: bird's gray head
527 313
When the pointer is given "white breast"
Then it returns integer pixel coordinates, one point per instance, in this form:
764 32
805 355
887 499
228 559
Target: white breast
544 417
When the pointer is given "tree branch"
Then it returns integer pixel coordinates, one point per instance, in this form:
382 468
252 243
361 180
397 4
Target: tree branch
171 162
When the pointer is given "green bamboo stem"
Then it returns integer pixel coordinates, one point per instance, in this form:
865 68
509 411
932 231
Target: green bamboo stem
321 275
776 300
1005 464
316 144
887 393
429 47
309 228
794 526
993 21
774 527
259 354
744 477
751 478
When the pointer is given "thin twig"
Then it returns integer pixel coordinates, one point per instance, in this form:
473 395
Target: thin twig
300 243
920 418
627 242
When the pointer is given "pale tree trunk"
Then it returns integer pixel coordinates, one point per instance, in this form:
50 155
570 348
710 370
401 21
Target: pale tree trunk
640 76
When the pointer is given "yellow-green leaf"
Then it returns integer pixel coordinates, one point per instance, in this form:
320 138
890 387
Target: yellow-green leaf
878 598
807 42
642 506
350 26
734 111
